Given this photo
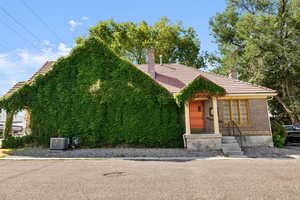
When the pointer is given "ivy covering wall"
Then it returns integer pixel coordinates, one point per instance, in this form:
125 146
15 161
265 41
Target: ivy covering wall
104 100
199 85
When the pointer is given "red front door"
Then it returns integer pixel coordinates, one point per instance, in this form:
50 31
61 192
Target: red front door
197 115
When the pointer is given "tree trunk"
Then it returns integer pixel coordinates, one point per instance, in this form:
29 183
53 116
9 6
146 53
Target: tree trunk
27 121
8 123
292 115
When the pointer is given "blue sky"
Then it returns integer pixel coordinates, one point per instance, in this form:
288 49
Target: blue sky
23 52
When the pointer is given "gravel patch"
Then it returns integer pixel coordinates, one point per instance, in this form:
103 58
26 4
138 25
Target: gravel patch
110 153
251 152
271 152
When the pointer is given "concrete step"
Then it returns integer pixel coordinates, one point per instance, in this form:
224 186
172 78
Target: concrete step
233 153
237 156
231 147
228 137
228 141
231 144
231 150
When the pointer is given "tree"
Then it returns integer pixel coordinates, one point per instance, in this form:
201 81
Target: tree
132 41
261 40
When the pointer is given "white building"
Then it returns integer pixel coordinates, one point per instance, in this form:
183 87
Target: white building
2 116
18 122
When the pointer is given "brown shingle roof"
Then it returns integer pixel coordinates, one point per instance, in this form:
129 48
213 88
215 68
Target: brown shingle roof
43 70
14 89
174 77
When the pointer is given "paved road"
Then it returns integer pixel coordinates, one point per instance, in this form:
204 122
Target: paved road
142 180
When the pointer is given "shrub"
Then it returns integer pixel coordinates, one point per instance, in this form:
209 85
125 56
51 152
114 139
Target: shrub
279 134
16 142
278 141
12 142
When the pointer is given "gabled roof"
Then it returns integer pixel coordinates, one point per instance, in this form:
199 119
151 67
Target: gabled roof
14 88
42 71
175 77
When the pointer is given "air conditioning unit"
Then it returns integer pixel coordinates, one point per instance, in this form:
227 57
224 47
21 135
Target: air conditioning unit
59 143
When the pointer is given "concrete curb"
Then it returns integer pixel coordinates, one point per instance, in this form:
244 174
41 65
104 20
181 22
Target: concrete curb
128 158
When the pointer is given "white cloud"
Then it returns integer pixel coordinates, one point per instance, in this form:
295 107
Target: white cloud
63 49
84 18
46 43
74 23
20 64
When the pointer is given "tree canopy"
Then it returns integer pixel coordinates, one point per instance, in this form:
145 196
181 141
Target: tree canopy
132 41
261 40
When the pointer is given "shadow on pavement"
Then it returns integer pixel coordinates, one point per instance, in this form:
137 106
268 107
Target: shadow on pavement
162 160
287 152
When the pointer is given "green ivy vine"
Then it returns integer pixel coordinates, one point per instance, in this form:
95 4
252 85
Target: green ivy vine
199 85
106 101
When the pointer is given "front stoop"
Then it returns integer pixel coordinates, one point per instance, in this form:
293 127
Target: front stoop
202 142
231 147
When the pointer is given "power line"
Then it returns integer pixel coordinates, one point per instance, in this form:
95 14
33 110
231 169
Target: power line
12 29
20 24
21 37
3 46
42 21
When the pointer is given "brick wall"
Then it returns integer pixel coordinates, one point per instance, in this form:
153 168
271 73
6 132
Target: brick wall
259 119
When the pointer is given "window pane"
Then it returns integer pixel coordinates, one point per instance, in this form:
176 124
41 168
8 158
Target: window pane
226 111
243 111
234 110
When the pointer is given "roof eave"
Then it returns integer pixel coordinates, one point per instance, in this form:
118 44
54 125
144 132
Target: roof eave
269 94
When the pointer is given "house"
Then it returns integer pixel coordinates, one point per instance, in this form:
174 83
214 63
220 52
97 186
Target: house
214 106
208 117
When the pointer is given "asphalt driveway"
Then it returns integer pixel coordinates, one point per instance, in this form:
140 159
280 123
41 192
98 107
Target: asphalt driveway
127 179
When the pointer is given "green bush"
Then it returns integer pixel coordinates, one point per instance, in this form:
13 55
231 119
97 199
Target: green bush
279 134
278 141
17 142
100 98
12 142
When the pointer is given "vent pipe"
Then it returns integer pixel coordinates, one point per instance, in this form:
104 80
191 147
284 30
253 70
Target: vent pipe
151 63
160 60
233 74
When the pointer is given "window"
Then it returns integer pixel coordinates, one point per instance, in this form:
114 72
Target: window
236 110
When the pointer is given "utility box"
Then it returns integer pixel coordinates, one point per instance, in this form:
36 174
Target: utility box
59 143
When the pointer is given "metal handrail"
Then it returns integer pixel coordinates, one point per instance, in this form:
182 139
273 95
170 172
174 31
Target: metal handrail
233 127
